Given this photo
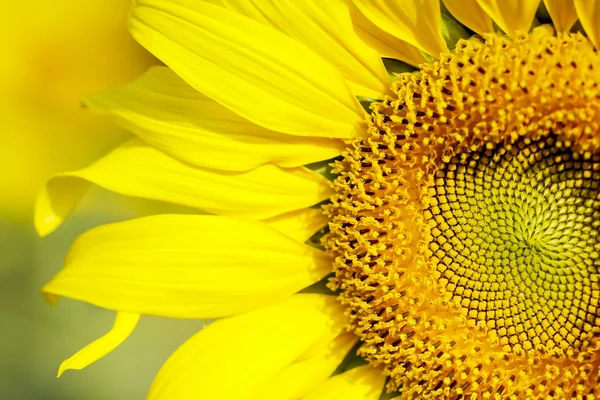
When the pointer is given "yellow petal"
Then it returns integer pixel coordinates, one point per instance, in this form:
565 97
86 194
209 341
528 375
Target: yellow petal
325 27
124 324
234 358
361 383
470 14
417 22
563 14
298 378
512 16
138 170
300 225
385 44
166 112
186 266
261 74
588 12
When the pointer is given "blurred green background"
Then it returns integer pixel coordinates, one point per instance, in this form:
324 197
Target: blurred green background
57 53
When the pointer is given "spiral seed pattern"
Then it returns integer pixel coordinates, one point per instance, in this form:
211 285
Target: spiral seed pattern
515 241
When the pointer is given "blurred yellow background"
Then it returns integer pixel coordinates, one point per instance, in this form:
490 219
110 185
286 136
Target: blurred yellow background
54 53
58 51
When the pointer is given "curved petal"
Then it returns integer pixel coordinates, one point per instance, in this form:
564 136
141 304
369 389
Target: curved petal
563 13
417 22
361 383
325 27
261 74
298 378
512 16
253 348
470 13
300 225
124 324
137 169
163 110
385 44
186 266
588 12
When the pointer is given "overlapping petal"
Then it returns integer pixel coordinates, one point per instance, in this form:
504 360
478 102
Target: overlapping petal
386 45
166 112
258 72
562 12
417 22
186 266
298 378
137 169
361 383
300 225
325 27
235 358
588 12
470 13
512 16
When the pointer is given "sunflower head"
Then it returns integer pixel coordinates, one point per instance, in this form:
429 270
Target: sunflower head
465 224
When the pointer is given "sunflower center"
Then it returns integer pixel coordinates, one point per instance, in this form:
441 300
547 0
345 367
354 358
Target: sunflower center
515 241
464 225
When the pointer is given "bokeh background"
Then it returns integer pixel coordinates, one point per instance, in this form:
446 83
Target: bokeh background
53 54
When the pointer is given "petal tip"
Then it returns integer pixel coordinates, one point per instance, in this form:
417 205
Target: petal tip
50 297
45 225
61 369
56 201
45 220
124 324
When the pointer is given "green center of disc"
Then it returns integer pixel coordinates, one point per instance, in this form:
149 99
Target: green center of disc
515 241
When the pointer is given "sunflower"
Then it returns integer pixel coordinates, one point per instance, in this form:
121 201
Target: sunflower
402 199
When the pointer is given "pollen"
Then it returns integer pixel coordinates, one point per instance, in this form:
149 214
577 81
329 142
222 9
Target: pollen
464 224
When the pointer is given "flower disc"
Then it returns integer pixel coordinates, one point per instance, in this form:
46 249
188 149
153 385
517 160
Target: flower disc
465 223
